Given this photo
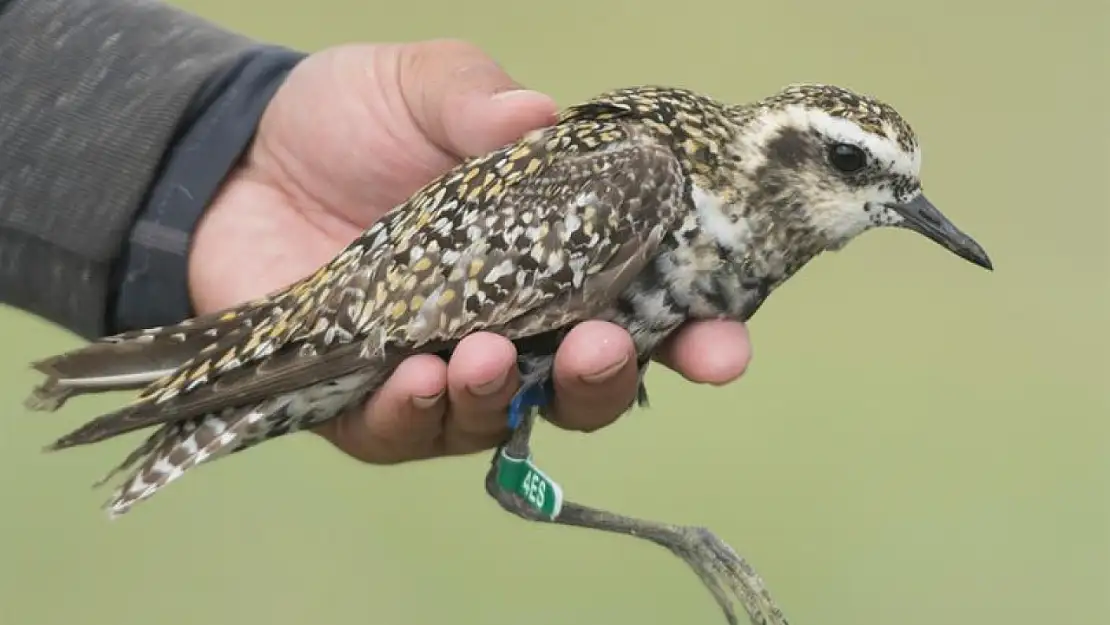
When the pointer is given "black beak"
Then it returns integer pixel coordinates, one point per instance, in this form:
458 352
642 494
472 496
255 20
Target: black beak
923 218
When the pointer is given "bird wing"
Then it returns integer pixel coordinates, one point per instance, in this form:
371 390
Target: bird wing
135 359
530 238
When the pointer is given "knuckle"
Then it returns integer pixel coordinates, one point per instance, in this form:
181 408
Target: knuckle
478 416
453 46
461 443
435 54
584 417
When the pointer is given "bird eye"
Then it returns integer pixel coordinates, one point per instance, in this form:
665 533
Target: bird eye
847 158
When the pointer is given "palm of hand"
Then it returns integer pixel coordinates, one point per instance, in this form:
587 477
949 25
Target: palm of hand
353 132
337 148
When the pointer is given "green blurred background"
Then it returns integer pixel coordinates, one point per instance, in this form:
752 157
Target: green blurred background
917 441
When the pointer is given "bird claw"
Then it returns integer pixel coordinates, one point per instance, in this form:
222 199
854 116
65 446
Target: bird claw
728 576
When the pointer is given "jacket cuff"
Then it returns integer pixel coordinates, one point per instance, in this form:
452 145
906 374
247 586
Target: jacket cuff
92 93
152 271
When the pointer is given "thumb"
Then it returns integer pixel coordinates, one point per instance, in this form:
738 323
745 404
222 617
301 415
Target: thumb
463 101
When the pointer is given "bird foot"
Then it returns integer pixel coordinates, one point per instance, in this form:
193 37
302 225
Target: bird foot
726 574
521 488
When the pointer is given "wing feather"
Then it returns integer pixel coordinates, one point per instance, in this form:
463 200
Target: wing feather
543 242
132 360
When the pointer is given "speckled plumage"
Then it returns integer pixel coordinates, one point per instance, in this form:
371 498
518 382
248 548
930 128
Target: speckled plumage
531 237
476 250
647 207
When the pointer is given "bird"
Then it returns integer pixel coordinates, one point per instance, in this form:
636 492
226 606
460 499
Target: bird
646 206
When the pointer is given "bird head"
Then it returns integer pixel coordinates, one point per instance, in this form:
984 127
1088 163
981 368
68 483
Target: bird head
843 163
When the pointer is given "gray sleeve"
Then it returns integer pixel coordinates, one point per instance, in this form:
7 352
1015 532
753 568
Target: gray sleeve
92 93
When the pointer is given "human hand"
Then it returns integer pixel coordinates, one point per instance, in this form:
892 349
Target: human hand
354 131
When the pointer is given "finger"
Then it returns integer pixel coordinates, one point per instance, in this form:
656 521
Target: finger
708 352
462 99
402 421
481 380
595 376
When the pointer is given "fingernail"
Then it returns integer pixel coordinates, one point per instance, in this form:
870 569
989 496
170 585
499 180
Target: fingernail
517 93
605 374
491 387
423 402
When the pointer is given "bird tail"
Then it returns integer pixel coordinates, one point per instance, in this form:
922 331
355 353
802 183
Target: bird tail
135 359
178 447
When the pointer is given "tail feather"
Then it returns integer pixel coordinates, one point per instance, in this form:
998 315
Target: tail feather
134 359
179 447
153 442
182 445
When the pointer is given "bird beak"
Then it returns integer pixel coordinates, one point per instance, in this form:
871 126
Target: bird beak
922 217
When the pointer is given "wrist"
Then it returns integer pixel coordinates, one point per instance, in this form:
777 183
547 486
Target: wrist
152 271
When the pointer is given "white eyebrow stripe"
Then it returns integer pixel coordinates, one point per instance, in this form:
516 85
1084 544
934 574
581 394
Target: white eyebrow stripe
840 129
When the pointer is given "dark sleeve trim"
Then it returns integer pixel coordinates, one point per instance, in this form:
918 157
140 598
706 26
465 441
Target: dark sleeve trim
92 93
152 271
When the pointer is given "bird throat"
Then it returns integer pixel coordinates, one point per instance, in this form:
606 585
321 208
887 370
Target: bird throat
726 259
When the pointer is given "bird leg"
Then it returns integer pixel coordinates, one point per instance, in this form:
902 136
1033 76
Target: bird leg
522 489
